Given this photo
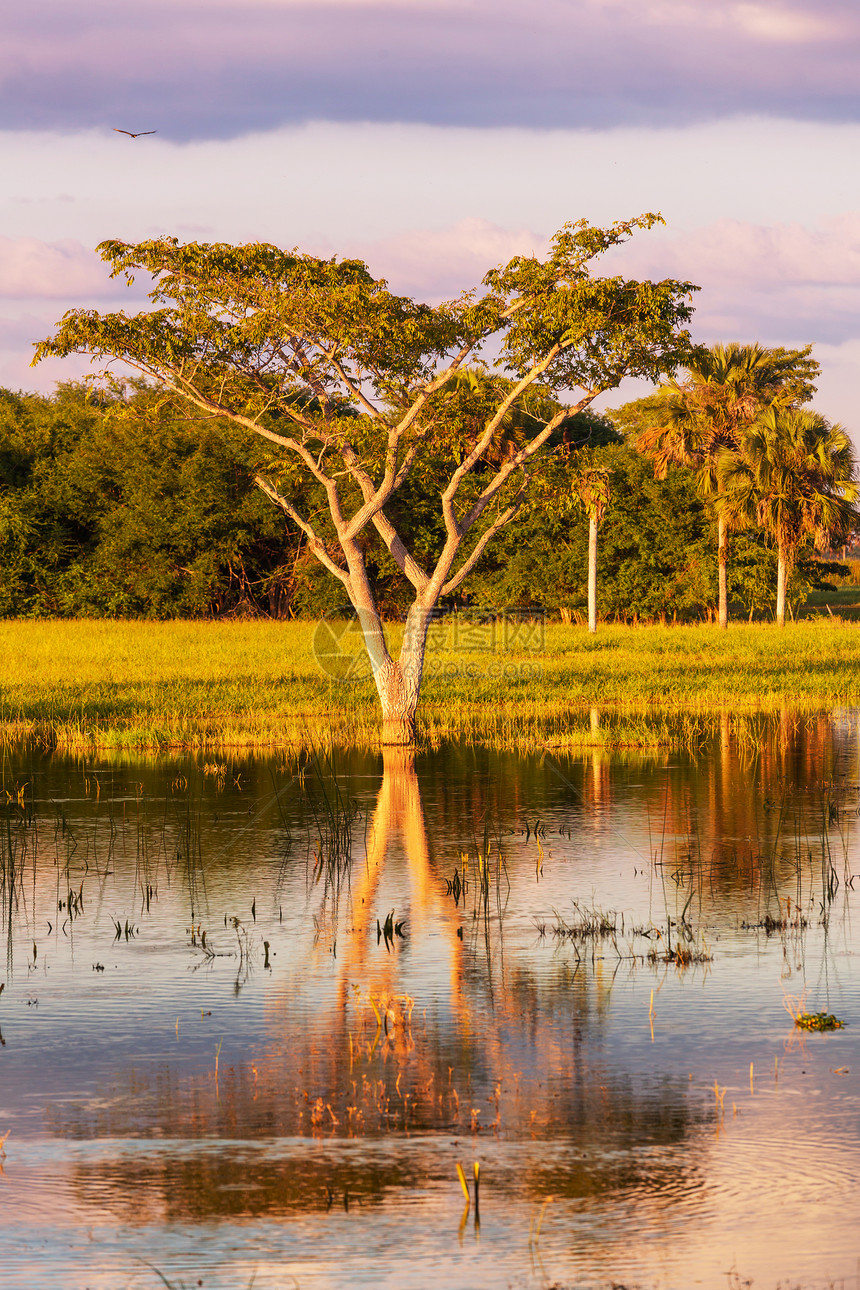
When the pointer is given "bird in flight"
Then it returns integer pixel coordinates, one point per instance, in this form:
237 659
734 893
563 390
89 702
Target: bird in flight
133 136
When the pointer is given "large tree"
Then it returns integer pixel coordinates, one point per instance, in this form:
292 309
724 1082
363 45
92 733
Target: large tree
795 477
707 415
356 388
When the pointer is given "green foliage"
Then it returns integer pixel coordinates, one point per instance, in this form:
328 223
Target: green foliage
818 1021
117 507
113 507
375 404
794 477
702 418
655 554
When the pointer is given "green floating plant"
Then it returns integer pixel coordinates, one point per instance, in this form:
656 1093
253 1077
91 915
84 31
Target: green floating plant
818 1021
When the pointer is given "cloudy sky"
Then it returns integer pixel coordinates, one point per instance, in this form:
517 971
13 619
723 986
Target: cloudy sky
436 139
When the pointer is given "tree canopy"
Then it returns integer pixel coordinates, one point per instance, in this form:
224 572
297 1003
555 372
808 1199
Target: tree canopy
356 389
705 418
795 477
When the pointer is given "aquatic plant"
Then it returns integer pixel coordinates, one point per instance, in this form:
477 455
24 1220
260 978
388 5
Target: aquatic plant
818 1021
805 1020
587 924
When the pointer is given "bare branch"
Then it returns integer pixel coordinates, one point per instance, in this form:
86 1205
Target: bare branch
314 541
528 450
188 391
474 556
401 556
468 463
355 389
433 387
375 498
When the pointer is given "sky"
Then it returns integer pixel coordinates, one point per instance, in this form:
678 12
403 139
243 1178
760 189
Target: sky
437 139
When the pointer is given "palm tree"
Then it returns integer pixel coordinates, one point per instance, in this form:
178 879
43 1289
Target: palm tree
708 414
593 490
794 476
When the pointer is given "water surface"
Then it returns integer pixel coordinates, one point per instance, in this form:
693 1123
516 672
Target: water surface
256 1012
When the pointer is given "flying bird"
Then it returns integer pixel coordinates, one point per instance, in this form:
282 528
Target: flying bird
133 136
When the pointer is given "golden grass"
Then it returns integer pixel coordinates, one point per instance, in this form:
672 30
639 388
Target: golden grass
91 684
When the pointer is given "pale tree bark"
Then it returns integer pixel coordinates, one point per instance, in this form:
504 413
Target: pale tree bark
592 574
781 579
398 828
722 552
398 681
593 488
246 333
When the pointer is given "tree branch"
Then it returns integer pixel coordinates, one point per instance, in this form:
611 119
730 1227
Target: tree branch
355 389
190 392
528 450
405 562
474 556
314 541
451 523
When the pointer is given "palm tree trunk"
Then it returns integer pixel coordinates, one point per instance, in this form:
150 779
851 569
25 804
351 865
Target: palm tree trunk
780 588
722 549
592 574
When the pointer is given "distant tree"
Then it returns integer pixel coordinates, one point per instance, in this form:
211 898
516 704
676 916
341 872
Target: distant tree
249 333
593 489
653 557
706 416
795 477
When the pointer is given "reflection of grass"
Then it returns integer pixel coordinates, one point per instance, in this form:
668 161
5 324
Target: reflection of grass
586 924
135 685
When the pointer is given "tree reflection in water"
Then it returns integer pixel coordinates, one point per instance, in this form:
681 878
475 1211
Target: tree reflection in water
360 1068
500 1053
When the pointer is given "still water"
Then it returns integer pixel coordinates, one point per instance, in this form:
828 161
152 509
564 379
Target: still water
256 1012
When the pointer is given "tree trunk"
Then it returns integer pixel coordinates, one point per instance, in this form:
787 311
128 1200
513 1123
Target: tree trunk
780 588
398 706
722 545
592 574
398 683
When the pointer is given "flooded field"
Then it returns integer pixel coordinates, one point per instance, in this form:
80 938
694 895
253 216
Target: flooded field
257 1012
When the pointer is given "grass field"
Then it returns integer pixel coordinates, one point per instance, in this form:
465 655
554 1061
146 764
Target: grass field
140 685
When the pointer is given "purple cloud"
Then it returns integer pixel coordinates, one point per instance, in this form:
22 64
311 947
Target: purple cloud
778 283
31 268
217 68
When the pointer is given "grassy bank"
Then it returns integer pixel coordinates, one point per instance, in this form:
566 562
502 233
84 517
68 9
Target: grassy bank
135 685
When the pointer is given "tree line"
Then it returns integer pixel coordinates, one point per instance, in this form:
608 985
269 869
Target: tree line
764 461
112 505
